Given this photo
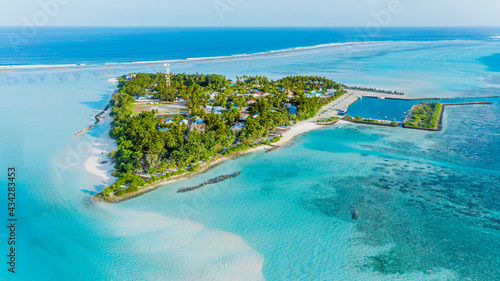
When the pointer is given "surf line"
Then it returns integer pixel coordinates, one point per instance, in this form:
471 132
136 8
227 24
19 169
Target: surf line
211 181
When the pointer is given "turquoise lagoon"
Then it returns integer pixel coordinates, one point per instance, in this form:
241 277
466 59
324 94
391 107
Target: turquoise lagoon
427 203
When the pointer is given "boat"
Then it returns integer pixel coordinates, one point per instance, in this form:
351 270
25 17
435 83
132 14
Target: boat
343 110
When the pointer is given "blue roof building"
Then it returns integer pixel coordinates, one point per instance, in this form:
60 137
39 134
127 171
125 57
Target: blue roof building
292 110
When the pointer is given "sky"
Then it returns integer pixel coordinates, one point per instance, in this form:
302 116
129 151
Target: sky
250 13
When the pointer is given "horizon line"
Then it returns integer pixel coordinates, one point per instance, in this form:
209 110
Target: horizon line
267 26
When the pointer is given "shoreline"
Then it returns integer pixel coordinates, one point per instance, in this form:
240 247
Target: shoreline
300 128
164 182
102 146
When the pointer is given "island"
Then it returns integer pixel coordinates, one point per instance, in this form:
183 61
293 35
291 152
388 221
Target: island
169 129
425 116
165 132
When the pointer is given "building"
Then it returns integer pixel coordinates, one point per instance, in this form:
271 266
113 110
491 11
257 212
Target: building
238 126
217 109
292 110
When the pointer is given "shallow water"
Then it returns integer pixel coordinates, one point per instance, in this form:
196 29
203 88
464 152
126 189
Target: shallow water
426 202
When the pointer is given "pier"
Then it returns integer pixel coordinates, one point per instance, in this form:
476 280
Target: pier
371 94
211 181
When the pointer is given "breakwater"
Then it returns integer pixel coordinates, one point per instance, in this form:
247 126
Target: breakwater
466 103
456 98
211 181
271 149
440 117
97 119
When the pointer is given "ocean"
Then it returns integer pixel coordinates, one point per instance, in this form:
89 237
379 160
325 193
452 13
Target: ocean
426 203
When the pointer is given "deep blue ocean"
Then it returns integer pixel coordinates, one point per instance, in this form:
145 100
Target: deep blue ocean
99 45
427 204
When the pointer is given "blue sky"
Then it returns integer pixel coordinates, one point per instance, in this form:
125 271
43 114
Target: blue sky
251 12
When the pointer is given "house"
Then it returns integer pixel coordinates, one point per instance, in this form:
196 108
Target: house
238 126
217 109
144 98
208 108
129 77
255 115
198 121
243 117
163 129
283 129
185 121
293 110
251 101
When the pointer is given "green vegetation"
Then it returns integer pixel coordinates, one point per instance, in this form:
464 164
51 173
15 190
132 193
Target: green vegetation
424 115
275 139
331 119
372 90
133 182
152 150
358 119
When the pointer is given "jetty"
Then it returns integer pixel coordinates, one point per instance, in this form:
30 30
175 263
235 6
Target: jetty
210 181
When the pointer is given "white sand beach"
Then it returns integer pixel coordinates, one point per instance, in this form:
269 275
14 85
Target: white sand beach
98 162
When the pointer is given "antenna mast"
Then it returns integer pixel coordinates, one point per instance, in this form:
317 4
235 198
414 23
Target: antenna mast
167 75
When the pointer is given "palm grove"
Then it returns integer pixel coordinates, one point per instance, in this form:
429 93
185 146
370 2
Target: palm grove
144 148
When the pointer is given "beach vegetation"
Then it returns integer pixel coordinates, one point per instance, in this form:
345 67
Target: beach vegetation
424 115
235 116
